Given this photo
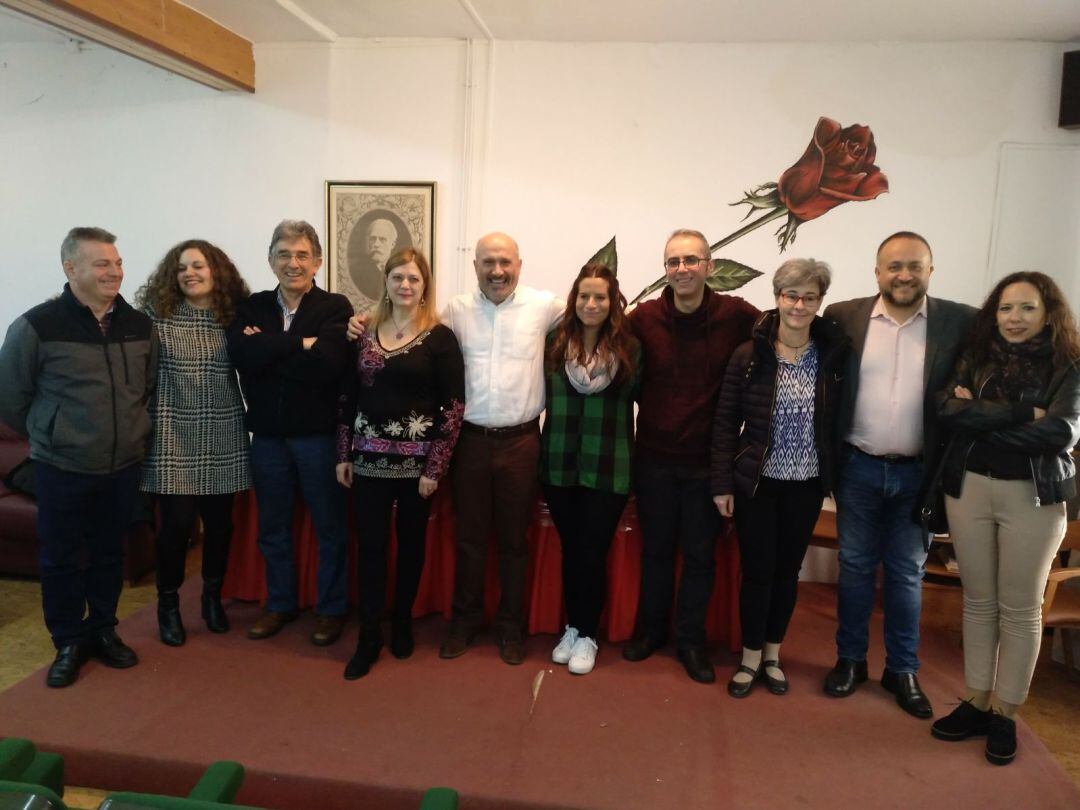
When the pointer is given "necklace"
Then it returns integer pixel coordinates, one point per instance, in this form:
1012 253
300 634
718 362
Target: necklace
796 348
401 330
796 351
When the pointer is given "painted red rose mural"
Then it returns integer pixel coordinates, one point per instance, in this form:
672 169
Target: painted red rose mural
838 166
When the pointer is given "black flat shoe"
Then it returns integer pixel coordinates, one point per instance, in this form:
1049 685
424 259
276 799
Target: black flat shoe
1001 740
909 695
963 722
641 647
740 689
778 686
844 678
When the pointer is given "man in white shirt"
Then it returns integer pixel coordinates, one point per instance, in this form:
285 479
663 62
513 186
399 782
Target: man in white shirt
904 345
501 328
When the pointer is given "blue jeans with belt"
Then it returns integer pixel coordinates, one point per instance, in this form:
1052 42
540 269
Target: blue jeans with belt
875 499
278 465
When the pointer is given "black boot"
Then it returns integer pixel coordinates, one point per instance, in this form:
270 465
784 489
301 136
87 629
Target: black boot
367 653
170 627
213 612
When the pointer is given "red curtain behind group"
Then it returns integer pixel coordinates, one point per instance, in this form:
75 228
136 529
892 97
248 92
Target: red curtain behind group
246 575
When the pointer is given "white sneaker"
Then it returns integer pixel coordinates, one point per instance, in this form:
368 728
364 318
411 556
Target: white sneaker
562 651
583 656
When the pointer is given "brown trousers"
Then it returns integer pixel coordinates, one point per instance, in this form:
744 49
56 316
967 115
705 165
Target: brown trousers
494 486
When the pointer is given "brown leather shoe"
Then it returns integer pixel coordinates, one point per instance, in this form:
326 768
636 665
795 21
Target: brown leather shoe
512 650
454 645
327 630
270 623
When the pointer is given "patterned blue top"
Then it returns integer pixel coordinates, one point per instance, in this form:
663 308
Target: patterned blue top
792 453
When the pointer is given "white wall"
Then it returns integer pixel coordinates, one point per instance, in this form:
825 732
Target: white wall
571 143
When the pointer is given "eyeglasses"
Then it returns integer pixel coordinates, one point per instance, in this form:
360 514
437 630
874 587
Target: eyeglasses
302 256
792 298
689 262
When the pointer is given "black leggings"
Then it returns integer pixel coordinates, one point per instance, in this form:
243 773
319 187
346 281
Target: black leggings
586 520
375 499
178 514
774 529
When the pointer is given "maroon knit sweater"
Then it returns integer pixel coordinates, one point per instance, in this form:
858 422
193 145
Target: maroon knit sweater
684 356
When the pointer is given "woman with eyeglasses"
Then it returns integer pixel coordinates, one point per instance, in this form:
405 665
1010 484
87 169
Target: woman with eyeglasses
399 416
1013 406
774 459
198 458
592 368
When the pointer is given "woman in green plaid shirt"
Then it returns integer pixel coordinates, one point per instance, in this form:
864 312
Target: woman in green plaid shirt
592 373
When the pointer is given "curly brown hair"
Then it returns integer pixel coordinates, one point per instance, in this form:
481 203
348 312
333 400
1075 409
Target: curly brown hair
615 339
162 294
1059 318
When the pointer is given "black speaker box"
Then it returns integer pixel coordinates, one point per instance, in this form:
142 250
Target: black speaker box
1069 117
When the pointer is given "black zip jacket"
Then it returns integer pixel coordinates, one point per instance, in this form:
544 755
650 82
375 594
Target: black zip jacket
743 425
289 391
1011 426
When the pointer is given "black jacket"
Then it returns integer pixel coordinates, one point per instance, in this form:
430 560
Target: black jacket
1011 426
80 396
747 398
289 391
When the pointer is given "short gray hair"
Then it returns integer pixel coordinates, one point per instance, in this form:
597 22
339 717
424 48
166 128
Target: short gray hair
70 246
293 229
794 272
692 233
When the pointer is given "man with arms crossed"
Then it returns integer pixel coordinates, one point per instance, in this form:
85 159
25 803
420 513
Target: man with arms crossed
289 346
77 373
904 345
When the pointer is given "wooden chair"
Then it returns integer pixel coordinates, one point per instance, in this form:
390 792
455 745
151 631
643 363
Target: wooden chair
1061 606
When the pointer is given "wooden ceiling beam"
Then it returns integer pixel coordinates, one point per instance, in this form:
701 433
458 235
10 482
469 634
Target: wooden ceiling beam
165 33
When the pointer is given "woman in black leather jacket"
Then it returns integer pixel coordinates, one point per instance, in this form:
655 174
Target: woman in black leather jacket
774 459
1013 407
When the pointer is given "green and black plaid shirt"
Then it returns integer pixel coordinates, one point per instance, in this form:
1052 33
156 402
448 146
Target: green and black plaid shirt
588 439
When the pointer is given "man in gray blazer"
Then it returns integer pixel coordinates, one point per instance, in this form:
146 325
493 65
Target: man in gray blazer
904 345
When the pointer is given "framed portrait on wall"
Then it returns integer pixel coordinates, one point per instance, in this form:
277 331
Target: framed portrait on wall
366 223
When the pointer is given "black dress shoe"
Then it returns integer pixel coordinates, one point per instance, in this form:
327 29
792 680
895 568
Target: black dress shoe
111 651
740 689
909 696
641 647
512 650
170 626
778 686
697 664
401 639
65 667
213 612
367 653
844 678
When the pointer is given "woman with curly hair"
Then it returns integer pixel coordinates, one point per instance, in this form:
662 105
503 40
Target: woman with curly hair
399 416
198 458
593 364
1013 406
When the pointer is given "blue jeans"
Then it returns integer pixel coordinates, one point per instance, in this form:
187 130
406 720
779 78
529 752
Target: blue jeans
81 523
874 503
278 465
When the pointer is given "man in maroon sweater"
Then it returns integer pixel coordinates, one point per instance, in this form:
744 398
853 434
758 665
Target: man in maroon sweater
687 336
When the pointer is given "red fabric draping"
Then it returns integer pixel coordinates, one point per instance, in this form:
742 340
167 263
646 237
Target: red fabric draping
246 575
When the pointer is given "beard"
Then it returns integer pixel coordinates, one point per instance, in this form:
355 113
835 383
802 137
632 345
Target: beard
906 295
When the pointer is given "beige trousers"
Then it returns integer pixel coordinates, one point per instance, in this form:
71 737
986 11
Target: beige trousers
1004 546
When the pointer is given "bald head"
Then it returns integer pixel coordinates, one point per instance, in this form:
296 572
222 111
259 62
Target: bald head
498 266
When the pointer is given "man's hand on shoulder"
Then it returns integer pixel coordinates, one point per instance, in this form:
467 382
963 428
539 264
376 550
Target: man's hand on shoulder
357 326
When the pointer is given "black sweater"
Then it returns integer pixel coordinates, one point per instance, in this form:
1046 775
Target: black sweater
290 391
